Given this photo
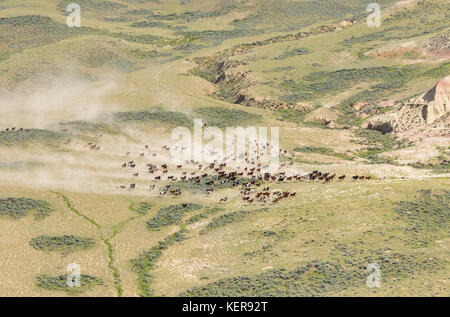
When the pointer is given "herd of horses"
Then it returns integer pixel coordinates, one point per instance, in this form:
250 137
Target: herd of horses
215 175
218 175
14 129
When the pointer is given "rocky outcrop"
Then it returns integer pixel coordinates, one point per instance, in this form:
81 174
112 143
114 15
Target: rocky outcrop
438 45
436 102
422 112
384 123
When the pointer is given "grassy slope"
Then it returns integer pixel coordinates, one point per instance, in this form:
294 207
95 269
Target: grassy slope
324 222
147 76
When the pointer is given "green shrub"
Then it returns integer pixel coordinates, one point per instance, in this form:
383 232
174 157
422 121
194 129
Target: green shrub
232 217
294 52
438 72
294 115
313 279
34 30
287 15
16 136
140 54
279 69
142 208
317 278
223 117
59 283
93 5
61 243
318 84
216 37
376 143
145 262
314 149
196 218
203 215
85 126
156 114
4 55
18 207
427 217
322 150
151 24
171 215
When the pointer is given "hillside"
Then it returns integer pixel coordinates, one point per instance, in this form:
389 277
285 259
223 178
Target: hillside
87 114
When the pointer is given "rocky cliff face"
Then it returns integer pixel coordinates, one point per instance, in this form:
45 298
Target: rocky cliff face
436 102
422 112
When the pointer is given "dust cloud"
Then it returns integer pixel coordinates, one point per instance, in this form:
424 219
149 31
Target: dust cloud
55 99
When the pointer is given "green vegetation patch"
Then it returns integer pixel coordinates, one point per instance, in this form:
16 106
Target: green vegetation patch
152 24
376 143
294 115
215 37
93 5
318 278
140 54
360 75
141 208
383 35
321 150
61 243
155 114
279 69
223 117
145 262
4 55
59 283
106 58
203 215
223 7
85 126
13 137
444 161
314 149
17 208
440 166
34 30
291 15
293 52
315 278
171 215
427 217
438 72
323 83
196 218
232 217
140 38
399 26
